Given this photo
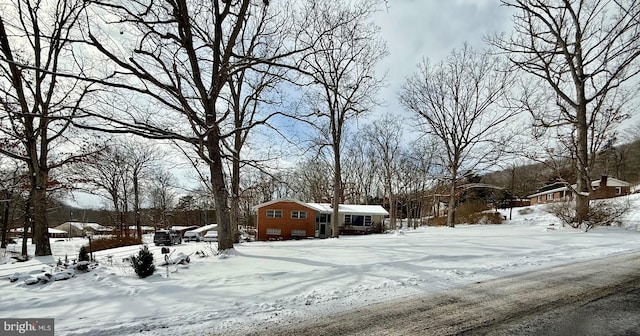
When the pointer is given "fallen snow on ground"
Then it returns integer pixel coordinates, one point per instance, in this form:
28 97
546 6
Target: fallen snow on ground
267 282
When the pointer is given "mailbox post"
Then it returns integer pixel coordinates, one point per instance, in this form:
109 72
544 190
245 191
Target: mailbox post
90 235
165 252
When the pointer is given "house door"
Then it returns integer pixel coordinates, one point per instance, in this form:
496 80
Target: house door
322 225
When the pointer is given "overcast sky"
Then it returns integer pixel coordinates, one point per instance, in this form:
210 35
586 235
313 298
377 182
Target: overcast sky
418 29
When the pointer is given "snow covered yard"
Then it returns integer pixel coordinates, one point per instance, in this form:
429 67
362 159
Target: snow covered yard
264 282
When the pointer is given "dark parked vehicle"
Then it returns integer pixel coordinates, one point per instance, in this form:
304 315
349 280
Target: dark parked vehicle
166 237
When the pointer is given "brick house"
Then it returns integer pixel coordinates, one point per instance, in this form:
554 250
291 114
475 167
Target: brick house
605 187
608 187
285 219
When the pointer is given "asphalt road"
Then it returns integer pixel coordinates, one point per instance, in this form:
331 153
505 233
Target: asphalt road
599 297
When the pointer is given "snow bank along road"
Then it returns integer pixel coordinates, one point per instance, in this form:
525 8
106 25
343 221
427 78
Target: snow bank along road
522 304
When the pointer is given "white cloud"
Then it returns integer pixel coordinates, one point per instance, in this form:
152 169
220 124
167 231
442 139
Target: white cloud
415 30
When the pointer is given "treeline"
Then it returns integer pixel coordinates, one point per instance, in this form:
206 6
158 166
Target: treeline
620 161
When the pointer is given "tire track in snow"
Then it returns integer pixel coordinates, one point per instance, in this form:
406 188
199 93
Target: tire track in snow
477 308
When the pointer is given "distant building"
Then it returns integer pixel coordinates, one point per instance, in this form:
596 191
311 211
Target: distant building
53 233
80 229
605 187
133 230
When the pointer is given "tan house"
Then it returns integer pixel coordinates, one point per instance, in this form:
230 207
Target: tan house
285 219
605 187
80 229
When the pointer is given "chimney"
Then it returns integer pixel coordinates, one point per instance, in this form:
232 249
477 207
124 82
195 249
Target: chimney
603 181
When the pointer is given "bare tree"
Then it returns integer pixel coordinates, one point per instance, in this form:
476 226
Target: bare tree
580 54
342 71
163 195
311 180
361 171
140 158
38 99
458 101
107 174
253 97
385 136
184 54
419 166
118 172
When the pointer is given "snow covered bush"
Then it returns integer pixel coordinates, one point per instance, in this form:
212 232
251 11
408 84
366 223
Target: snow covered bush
63 275
83 259
525 211
607 212
601 213
143 264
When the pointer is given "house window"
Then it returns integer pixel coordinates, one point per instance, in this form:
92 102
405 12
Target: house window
367 220
274 232
539 198
323 218
357 220
298 233
618 190
549 196
274 213
298 214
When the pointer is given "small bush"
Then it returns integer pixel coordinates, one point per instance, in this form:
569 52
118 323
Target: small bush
470 212
437 221
83 257
143 264
475 212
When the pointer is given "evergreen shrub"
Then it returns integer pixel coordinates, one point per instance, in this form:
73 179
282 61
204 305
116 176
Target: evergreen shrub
83 258
143 264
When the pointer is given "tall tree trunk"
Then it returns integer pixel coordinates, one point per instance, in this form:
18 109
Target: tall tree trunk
337 186
392 204
451 209
28 218
121 223
234 213
39 206
136 205
6 204
235 185
220 195
125 211
420 206
583 184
